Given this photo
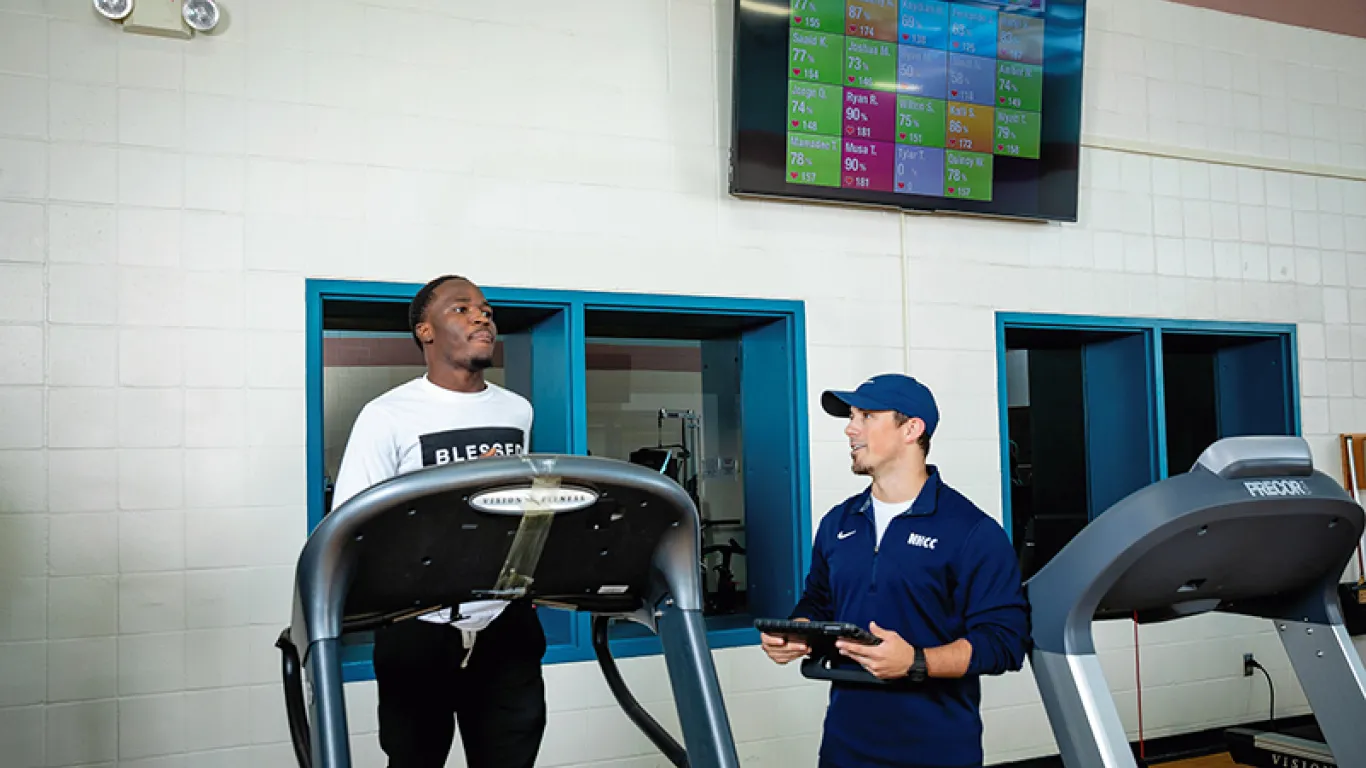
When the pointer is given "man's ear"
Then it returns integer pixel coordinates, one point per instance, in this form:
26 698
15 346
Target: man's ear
424 332
915 426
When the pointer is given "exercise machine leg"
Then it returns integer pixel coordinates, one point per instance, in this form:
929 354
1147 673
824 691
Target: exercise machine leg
328 708
1333 679
697 691
1081 711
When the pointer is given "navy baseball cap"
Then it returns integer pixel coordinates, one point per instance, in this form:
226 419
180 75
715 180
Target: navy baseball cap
887 392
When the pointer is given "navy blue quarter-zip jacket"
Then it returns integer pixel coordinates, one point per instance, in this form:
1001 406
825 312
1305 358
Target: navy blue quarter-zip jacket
944 570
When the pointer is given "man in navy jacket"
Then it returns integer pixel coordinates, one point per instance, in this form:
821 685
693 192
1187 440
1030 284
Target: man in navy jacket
915 563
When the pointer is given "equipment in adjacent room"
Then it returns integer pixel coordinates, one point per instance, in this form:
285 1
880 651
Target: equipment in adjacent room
581 533
1353 464
1183 546
681 460
726 597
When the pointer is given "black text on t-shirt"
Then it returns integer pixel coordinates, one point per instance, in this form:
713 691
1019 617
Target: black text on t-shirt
457 445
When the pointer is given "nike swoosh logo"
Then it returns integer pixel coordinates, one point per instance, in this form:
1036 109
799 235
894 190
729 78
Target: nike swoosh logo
844 534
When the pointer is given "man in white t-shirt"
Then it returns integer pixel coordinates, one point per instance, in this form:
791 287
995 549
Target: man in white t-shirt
430 671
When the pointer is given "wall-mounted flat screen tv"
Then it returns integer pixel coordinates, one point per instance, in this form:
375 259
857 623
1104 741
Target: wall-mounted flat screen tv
970 106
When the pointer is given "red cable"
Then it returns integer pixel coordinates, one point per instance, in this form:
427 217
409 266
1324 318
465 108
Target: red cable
1138 684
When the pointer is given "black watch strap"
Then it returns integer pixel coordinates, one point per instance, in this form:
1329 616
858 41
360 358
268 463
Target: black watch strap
919 669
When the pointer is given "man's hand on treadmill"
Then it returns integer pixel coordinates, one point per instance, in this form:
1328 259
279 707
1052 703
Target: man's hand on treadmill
783 650
892 658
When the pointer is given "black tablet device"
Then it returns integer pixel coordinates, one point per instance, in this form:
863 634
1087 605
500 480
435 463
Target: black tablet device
815 633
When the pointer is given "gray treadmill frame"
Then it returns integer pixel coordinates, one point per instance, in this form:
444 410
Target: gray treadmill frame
672 609
1065 594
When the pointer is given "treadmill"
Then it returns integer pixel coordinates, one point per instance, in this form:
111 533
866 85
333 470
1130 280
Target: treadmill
582 533
1251 529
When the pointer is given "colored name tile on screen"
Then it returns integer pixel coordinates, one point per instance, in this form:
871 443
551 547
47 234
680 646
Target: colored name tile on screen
970 127
967 175
1018 133
972 30
813 159
814 107
871 19
816 57
1019 86
972 79
920 121
920 170
921 72
820 15
869 165
869 114
870 64
924 23
1020 39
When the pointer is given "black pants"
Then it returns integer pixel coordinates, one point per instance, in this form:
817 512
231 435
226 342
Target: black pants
498 698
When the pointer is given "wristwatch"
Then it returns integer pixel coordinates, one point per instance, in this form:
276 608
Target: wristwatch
919 671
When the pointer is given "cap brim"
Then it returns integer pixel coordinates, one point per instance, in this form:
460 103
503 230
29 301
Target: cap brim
838 404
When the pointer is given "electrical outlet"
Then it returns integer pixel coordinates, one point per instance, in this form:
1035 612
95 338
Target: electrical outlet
1247 665
158 17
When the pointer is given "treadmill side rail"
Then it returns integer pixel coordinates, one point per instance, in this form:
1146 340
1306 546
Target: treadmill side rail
331 745
1333 679
1074 692
706 733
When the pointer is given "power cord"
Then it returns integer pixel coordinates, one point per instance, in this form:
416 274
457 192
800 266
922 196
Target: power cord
1249 662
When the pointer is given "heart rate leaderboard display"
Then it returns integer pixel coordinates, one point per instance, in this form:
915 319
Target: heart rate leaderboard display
915 97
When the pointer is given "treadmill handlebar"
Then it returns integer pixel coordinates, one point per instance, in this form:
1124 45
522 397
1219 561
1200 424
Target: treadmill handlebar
324 571
477 503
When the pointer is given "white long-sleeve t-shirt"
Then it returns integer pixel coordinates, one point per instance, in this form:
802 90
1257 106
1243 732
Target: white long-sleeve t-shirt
419 424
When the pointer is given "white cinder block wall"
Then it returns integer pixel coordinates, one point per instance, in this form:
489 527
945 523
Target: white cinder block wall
161 203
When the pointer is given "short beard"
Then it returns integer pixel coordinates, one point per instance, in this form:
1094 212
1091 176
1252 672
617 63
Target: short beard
860 468
471 364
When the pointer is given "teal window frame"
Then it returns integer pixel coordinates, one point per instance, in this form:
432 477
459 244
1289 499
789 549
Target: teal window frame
1150 332
776 448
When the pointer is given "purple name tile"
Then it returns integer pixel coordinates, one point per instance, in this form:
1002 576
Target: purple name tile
869 114
869 165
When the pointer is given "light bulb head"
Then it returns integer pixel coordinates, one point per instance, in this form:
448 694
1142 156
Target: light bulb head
115 10
201 15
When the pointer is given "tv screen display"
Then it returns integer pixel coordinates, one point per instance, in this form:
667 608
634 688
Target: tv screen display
970 106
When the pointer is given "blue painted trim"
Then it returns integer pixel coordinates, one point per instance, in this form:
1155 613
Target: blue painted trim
1003 424
574 303
313 394
578 380
801 448
1158 397
1152 368
596 300
366 335
1292 354
1154 327
1102 323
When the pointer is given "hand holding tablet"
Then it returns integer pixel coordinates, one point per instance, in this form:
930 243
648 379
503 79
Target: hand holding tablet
784 640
